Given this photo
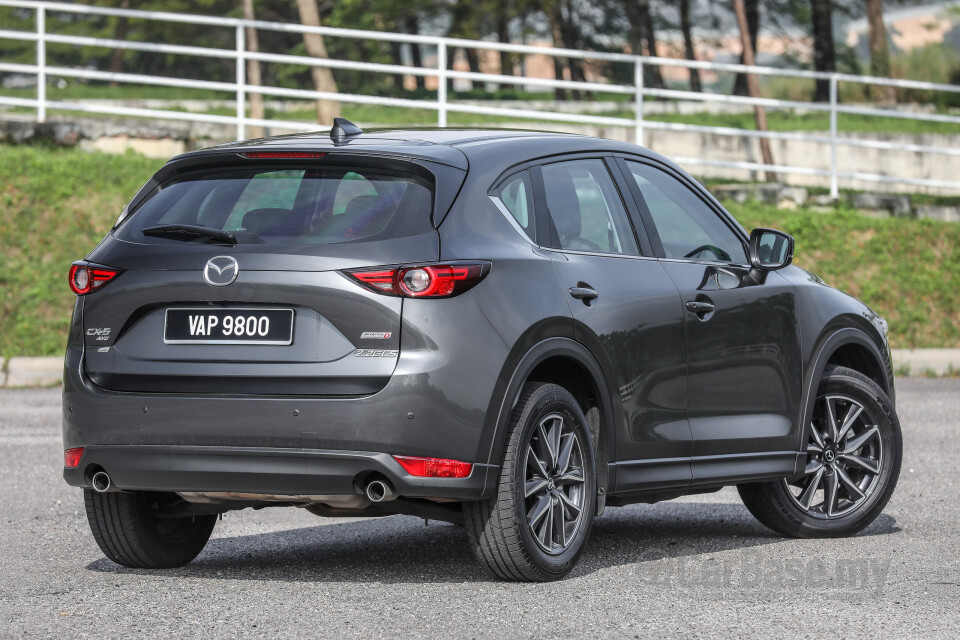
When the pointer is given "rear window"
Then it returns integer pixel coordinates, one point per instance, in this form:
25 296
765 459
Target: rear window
286 205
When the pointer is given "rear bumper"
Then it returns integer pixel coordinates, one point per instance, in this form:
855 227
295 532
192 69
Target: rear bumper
266 470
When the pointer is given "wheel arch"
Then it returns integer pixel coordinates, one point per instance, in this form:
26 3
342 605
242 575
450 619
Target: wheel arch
569 364
848 347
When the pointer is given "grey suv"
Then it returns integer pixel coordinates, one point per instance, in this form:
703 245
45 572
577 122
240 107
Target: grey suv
508 330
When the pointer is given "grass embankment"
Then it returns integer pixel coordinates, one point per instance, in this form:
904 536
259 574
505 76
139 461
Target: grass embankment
57 204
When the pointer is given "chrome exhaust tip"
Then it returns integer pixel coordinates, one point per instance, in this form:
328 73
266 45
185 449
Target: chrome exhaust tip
101 482
380 491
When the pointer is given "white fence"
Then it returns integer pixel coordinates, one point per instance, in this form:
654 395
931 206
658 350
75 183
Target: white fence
443 105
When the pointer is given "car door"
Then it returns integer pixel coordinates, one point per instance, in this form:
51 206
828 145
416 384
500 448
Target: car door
626 310
742 337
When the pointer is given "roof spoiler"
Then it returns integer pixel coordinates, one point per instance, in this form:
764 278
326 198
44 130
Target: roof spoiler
343 130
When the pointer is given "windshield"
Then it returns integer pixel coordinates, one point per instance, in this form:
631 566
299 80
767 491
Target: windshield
272 205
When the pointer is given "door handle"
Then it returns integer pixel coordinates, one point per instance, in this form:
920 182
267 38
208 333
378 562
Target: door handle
700 308
586 294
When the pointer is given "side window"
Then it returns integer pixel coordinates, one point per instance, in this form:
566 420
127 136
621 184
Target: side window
517 196
585 210
688 228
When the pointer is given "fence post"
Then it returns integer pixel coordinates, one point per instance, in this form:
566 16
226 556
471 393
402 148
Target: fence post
41 64
834 186
638 101
241 83
442 84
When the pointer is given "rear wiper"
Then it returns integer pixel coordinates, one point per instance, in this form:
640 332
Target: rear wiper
189 232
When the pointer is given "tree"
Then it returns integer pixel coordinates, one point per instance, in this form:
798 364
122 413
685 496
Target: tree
253 70
323 80
753 87
824 55
752 11
879 52
688 49
643 38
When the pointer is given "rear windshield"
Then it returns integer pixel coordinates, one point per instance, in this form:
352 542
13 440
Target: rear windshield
273 205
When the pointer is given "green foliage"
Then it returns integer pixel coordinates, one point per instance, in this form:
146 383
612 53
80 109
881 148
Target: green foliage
907 270
58 203
56 206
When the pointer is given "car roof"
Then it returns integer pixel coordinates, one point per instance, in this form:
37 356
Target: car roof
450 146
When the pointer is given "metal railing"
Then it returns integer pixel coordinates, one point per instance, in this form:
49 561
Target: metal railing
443 105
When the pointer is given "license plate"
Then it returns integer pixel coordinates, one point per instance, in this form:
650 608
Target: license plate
228 326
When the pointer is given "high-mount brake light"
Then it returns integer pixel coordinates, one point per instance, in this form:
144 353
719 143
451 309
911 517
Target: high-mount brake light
434 467
422 281
85 278
282 155
71 457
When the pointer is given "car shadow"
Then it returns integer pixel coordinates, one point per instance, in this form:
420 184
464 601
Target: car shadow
400 549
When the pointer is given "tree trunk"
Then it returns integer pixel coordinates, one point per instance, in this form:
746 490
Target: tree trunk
688 44
397 59
323 80
824 57
119 33
753 87
555 16
643 41
752 9
253 71
503 35
413 28
879 53
650 33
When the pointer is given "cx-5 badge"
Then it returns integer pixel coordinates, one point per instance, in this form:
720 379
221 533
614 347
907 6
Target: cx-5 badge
220 271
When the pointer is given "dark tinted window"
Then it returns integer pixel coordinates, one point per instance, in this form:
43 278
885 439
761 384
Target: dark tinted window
585 209
289 205
517 196
688 228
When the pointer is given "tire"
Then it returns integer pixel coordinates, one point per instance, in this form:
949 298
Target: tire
790 507
128 533
548 425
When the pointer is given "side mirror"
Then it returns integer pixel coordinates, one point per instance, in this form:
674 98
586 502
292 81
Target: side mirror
769 250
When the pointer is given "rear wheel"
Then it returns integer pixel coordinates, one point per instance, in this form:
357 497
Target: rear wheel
854 451
128 532
537 525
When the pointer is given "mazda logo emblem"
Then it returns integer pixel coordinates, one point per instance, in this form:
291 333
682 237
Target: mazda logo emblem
221 271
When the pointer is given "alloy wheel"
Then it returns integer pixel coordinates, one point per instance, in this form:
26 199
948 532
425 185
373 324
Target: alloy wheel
844 459
554 484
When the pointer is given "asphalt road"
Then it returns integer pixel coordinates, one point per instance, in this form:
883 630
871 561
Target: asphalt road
695 567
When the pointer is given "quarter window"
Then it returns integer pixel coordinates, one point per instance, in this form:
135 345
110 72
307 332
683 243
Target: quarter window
517 196
585 209
688 228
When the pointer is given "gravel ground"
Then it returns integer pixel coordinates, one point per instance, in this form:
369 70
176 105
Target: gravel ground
695 567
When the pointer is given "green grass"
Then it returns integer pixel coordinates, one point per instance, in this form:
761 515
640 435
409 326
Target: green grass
907 270
58 203
384 115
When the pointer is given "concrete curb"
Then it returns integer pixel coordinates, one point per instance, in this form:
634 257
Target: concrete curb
45 372
923 361
33 372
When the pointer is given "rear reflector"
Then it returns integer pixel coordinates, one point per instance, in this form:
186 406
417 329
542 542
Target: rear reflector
422 281
71 457
85 278
434 467
282 155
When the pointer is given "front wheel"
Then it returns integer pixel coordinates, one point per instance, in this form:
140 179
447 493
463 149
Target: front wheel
128 532
854 450
537 525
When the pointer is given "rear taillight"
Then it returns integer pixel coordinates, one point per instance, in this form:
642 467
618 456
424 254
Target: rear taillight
71 457
85 278
434 467
422 281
